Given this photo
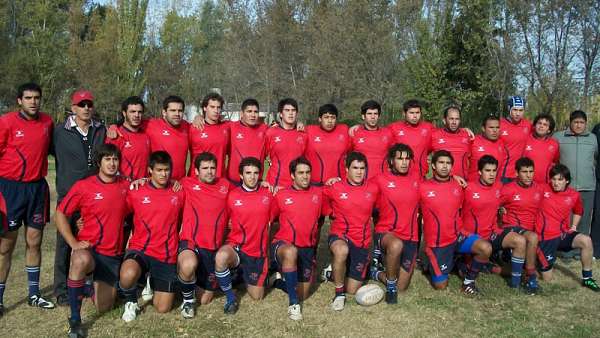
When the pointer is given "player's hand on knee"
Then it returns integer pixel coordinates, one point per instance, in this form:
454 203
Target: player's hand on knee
80 245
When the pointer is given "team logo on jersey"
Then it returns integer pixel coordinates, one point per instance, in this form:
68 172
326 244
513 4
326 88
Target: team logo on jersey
423 132
415 185
537 196
401 133
299 139
315 199
166 132
277 139
98 196
497 193
174 200
341 137
455 192
528 148
504 133
19 133
441 141
265 200
568 200
368 195
551 148
37 218
288 201
239 136
480 148
128 144
546 194
361 140
549 257
431 194
317 139
196 187
223 189
384 139
525 130
443 267
261 134
476 195
237 203
146 200
517 197
391 184
465 140
343 195
12 224
204 135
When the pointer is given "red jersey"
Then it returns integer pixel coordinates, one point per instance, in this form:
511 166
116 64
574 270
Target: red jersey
250 213
299 212
374 145
214 138
398 205
3 216
325 150
514 137
482 146
205 212
418 138
282 147
521 205
554 215
156 216
174 141
458 144
441 204
135 150
24 146
545 154
103 209
351 209
245 141
480 209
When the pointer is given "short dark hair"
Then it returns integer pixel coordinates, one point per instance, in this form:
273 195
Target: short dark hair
370 104
356 156
249 161
452 107
105 150
132 101
547 117
29 86
328 108
287 101
249 102
172 99
297 161
214 97
398 148
412 103
441 153
576 114
204 157
524 162
160 157
562 170
485 160
490 117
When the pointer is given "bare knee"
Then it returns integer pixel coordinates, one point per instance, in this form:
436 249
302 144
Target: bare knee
394 247
340 250
289 254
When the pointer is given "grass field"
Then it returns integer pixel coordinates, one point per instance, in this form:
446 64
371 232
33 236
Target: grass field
564 309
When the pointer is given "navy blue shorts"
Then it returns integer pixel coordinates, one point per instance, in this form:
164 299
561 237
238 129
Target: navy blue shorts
254 270
306 262
410 250
106 268
497 239
516 229
546 250
26 202
205 272
441 259
358 259
163 276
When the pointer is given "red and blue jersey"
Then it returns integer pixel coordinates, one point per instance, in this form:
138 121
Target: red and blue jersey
374 145
554 215
441 203
480 147
514 136
521 205
214 138
480 208
325 150
459 146
545 154
282 147
174 140
245 141
135 150
418 138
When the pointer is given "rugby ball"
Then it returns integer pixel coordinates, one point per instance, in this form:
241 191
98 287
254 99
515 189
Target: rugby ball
369 294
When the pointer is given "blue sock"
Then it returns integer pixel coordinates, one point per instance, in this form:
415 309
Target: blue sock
377 254
188 290
516 265
291 282
586 274
2 287
75 292
374 274
391 285
130 294
224 280
531 275
476 266
33 280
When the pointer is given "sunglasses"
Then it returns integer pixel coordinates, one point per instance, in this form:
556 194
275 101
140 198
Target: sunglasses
84 104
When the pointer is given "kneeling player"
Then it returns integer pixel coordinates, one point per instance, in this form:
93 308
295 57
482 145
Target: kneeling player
202 229
552 226
249 207
98 246
480 216
153 246
441 201
397 230
294 246
352 203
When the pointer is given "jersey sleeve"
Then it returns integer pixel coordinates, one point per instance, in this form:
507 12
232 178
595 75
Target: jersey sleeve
72 201
578 207
326 209
274 209
505 195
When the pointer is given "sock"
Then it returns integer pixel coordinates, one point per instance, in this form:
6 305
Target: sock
473 271
339 290
33 280
280 284
377 255
75 292
224 280
2 287
130 294
531 274
188 291
390 285
374 274
516 265
586 274
291 282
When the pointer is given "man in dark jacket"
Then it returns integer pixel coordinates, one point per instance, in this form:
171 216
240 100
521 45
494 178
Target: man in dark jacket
74 144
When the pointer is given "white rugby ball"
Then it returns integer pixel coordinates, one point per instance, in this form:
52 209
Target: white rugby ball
369 294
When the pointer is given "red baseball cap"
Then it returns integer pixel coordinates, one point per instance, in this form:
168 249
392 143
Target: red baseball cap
82 95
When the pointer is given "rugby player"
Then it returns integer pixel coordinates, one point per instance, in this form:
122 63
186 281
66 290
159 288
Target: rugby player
542 148
488 143
454 139
514 131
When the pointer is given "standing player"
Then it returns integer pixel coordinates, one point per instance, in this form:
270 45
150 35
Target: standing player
133 142
480 216
397 230
441 201
204 221
214 135
520 201
542 148
514 131
24 145
3 219
249 207
98 246
372 140
294 246
555 231
453 139
488 143
352 202
326 145
284 143
153 245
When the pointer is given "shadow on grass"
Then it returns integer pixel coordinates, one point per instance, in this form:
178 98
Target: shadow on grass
43 291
